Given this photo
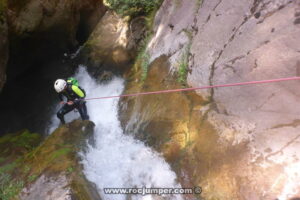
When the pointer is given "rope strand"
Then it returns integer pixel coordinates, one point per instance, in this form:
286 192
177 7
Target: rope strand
199 88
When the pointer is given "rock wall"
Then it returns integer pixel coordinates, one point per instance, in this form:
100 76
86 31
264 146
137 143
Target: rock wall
3 42
40 30
112 45
43 38
43 30
250 148
64 17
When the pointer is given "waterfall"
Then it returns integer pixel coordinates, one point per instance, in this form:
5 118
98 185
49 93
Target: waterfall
118 160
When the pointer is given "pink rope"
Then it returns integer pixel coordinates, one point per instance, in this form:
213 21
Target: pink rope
198 88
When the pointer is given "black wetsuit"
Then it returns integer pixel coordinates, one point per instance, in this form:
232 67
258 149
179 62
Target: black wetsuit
76 94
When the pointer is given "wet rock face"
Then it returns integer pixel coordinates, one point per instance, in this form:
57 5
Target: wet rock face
56 165
174 124
41 30
256 127
113 43
41 16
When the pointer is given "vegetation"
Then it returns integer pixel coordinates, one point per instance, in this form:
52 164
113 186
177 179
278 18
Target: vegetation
70 170
198 4
133 8
12 169
184 61
23 141
143 58
138 8
182 71
32 177
8 168
2 159
9 188
3 6
23 160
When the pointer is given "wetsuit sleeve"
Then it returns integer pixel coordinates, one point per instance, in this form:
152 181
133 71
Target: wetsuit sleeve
78 91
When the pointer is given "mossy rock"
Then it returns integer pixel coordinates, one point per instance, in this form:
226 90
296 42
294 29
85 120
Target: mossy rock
55 159
12 149
18 144
58 152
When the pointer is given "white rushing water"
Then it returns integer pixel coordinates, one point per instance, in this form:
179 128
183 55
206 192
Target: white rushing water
118 160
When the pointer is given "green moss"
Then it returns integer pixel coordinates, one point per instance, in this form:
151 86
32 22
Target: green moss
5 138
9 187
2 159
198 4
12 168
143 58
60 152
22 163
70 169
26 169
8 167
184 61
26 140
23 139
32 177
133 8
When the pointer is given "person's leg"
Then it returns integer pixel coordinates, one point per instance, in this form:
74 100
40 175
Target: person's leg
64 110
84 108
83 111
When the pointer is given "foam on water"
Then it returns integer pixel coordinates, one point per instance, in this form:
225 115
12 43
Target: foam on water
118 160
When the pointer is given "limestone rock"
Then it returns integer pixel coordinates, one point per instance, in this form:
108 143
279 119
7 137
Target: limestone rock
253 153
45 30
112 45
42 16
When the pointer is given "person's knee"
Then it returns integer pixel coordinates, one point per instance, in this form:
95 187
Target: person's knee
60 114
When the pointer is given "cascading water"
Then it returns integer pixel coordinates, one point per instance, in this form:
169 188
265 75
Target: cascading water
117 160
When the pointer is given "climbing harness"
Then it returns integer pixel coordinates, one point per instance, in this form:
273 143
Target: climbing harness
198 88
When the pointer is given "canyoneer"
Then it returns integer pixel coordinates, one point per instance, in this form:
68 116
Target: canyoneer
75 98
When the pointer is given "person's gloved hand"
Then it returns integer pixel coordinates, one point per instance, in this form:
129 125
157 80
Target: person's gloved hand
78 101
